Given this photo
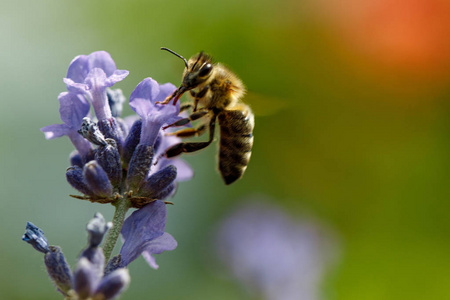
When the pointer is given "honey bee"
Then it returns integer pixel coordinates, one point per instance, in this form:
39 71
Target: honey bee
216 94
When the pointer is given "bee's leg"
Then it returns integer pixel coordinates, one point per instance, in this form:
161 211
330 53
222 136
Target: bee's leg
192 117
192 147
185 107
189 132
198 96
168 98
196 104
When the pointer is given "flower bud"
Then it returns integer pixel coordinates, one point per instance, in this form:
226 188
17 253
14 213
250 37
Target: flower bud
97 180
75 159
97 228
113 284
85 279
58 269
139 166
75 178
35 237
111 129
109 159
158 182
96 260
132 141
167 192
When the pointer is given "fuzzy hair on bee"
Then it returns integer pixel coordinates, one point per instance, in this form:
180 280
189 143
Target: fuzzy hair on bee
216 94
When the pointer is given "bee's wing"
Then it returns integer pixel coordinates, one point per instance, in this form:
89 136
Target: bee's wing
263 105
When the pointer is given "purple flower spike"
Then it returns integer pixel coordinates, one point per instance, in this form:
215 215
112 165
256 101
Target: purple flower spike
143 101
73 108
143 233
91 75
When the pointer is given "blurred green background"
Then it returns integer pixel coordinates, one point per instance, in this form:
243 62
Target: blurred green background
352 103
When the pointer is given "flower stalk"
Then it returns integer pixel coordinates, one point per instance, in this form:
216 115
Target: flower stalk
121 207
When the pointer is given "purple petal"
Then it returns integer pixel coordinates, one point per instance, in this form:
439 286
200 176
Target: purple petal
72 109
144 96
96 79
141 228
165 90
55 131
142 107
97 83
81 65
143 102
75 87
117 76
166 242
146 89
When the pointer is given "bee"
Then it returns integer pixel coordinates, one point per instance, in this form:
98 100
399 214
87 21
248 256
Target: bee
216 94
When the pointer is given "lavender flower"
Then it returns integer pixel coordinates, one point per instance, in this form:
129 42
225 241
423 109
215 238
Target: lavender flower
101 180
273 255
143 102
116 161
91 75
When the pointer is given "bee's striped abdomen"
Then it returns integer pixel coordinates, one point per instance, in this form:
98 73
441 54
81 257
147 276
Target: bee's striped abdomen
236 141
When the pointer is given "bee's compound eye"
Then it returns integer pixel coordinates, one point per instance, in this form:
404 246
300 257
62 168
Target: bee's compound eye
205 70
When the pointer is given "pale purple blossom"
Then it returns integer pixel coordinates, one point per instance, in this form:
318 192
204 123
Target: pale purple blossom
273 255
143 233
143 101
91 75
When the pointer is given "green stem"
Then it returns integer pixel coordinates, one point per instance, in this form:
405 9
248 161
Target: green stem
122 207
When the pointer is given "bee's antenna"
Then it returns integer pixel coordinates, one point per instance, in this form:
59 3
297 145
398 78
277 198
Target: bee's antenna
174 53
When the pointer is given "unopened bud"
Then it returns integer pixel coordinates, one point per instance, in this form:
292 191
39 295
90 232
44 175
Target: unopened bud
97 228
97 180
132 140
58 269
111 129
139 166
75 178
108 157
35 237
158 182
113 284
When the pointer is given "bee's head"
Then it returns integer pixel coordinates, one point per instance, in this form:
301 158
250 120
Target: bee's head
198 69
